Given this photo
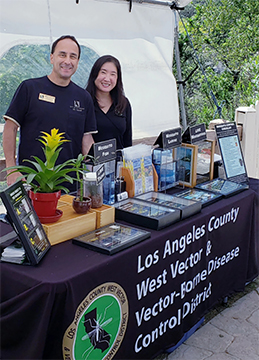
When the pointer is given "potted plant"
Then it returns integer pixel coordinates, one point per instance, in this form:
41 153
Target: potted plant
45 178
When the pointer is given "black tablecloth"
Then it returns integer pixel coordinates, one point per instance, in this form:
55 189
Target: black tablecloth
170 280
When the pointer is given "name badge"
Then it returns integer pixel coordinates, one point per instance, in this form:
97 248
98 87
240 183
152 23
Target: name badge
47 98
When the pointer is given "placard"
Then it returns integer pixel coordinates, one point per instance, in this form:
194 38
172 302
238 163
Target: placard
100 174
231 152
169 139
25 222
111 238
104 151
194 134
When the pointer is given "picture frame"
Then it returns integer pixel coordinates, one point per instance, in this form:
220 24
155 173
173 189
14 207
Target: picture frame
25 221
186 156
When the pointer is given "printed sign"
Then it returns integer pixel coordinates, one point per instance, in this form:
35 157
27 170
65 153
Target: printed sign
169 139
195 134
104 151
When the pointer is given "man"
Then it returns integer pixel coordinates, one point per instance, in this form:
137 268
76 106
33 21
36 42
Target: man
52 101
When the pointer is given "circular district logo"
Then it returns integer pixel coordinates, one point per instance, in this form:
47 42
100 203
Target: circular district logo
99 325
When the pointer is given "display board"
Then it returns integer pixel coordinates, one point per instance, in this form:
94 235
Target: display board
25 221
231 152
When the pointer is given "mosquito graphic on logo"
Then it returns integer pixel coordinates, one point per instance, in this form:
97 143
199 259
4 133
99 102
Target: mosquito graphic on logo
94 327
99 325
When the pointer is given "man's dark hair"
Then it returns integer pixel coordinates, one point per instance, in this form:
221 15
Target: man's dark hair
71 37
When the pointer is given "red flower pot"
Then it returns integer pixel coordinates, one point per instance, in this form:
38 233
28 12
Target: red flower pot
45 204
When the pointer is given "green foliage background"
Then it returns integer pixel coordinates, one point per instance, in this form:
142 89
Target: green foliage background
225 38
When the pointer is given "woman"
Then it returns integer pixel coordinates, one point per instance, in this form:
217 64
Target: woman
112 108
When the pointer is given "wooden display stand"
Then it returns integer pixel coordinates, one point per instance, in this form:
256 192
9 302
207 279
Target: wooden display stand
104 215
69 225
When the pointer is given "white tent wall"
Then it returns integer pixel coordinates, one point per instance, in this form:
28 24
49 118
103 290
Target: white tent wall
142 40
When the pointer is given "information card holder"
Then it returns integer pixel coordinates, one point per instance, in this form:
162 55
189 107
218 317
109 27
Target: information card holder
25 221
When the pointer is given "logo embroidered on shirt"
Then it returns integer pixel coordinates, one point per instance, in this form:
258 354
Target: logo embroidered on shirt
77 106
47 98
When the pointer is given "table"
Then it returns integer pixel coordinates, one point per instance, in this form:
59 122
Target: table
136 303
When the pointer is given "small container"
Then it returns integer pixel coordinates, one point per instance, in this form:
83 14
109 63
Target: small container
109 183
93 190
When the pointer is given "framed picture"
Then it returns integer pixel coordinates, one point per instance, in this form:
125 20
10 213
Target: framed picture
25 221
186 156
205 161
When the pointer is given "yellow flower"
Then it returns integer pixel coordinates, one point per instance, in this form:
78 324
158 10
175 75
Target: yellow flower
52 142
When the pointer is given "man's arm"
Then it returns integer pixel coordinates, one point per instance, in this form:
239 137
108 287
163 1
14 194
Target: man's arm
9 146
87 142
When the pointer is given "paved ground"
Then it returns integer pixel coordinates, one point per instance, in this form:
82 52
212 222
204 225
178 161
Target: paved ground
231 335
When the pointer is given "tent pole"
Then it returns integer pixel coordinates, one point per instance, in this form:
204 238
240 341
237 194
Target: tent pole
179 73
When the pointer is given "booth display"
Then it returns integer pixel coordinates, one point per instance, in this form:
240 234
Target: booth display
186 206
222 187
111 238
164 285
146 214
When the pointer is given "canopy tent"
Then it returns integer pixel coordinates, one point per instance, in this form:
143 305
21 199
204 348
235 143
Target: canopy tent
142 39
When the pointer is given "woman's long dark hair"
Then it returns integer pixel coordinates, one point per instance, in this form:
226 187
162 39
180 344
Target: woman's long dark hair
117 93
